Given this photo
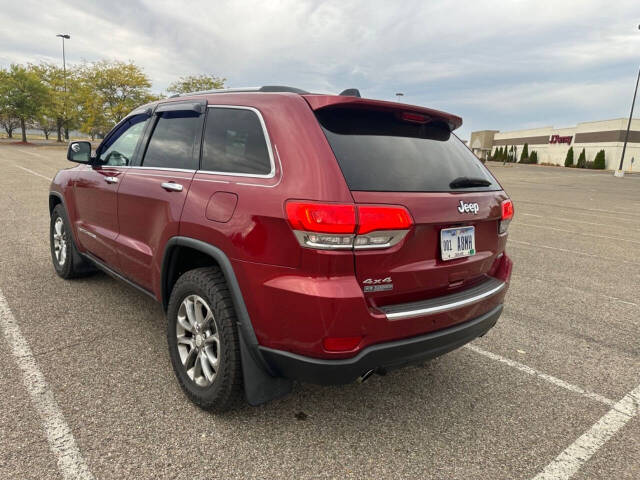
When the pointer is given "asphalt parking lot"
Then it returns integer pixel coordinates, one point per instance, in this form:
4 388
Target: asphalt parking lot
553 391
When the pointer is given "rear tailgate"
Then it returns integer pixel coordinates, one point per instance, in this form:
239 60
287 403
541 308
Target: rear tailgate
394 154
415 266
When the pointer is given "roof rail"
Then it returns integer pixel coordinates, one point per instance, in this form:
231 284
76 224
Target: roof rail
265 88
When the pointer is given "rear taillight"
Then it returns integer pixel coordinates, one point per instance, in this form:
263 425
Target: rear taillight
507 215
338 226
381 226
322 217
373 217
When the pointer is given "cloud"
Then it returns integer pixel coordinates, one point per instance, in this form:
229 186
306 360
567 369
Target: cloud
497 64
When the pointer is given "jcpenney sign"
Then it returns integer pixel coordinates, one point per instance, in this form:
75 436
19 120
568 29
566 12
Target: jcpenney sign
559 139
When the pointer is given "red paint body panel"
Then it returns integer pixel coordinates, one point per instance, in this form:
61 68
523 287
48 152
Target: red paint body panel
415 264
295 296
149 216
96 205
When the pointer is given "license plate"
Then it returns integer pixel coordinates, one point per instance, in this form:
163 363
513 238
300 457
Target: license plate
457 242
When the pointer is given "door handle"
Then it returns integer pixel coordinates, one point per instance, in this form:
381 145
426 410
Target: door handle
111 179
172 186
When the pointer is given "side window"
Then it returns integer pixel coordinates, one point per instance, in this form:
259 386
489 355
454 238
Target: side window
234 142
121 146
173 140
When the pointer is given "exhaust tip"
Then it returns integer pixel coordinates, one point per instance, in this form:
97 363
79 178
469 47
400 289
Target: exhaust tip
363 378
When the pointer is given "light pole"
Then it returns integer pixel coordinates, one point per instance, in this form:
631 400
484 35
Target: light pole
64 69
620 172
398 95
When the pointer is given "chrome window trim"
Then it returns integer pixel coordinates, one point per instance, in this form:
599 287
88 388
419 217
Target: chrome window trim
444 307
272 172
165 169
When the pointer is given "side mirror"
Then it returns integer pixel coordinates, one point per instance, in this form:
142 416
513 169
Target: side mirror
79 152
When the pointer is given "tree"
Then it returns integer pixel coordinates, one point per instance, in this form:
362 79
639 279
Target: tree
57 106
196 83
582 160
599 162
46 124
568 161
524 156
533 157
21 95
106 92
9 123
91 114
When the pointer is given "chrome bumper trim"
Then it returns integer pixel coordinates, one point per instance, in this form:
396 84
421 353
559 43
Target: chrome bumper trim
444 303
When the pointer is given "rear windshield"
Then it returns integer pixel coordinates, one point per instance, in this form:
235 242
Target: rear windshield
378 151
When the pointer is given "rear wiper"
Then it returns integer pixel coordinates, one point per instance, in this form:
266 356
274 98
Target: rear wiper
466 182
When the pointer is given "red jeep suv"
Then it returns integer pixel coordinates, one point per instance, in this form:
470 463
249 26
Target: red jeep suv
289 235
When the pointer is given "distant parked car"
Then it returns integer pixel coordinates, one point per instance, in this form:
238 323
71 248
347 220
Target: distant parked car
288 235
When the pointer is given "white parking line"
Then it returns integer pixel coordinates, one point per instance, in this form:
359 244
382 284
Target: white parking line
22 150
579 452
571 220
583 234
578 209
573 289
59 435
566 250
35 173
543 376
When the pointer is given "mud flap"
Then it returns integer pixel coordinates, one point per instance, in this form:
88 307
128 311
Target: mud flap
259 385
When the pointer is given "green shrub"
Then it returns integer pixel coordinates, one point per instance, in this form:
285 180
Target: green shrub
568 161
531 159
582 160
599 162
524 156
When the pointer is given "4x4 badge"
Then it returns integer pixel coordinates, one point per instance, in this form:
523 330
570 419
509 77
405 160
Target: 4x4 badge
377 284
468 207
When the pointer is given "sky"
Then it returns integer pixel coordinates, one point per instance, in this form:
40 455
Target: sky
502 65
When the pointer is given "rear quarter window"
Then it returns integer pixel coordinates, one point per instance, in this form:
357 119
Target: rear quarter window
379 151
234 142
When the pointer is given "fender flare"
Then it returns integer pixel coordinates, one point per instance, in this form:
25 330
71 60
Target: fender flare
261 383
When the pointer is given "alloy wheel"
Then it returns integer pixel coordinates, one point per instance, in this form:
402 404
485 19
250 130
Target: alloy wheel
198 340
59 241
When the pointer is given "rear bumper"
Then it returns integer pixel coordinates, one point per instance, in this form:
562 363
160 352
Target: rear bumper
481 292
382 355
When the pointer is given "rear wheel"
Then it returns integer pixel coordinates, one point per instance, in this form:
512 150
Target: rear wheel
67 262
203 339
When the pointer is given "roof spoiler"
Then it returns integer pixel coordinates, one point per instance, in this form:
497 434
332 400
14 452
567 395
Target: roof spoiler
316 102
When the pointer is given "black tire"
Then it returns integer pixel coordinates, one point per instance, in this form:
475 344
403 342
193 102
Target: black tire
226 388
67 261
